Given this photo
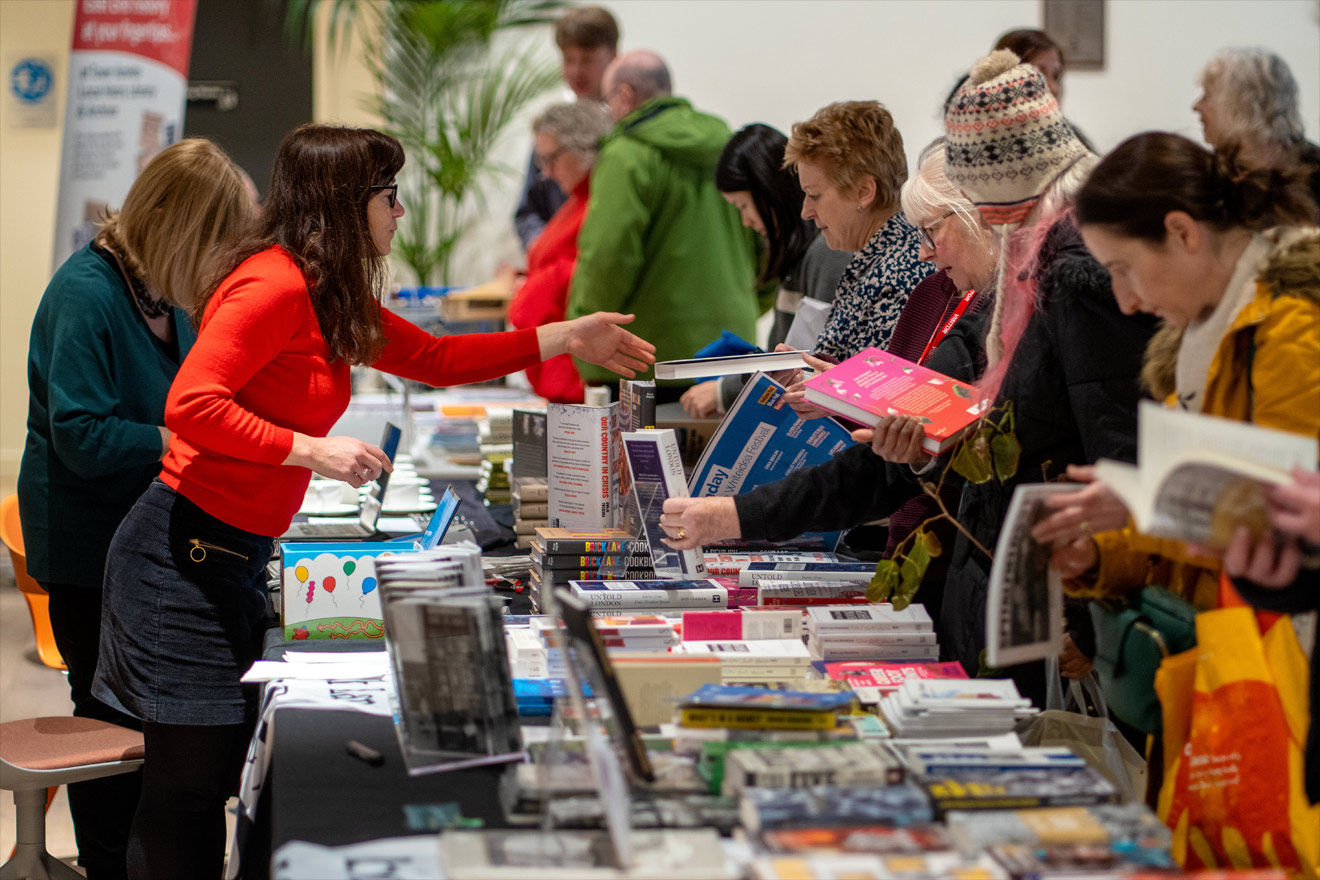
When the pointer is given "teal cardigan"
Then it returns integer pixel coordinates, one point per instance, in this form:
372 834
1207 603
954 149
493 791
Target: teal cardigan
97 381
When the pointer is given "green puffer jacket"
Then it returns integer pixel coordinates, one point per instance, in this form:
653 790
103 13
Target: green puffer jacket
659 240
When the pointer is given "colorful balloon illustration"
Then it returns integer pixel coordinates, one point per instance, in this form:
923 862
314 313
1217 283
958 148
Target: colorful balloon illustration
328 584
301 572
368 584
311 588
349 566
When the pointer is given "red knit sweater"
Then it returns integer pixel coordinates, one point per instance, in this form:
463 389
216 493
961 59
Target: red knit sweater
259 372
543 297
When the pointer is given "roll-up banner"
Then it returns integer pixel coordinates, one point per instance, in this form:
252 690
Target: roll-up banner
128 82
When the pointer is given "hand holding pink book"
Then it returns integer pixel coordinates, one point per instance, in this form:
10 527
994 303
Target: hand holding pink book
873 384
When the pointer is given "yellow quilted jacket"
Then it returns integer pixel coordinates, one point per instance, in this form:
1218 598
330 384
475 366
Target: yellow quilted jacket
1266 370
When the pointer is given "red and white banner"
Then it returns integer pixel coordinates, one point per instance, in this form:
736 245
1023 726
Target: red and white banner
128 83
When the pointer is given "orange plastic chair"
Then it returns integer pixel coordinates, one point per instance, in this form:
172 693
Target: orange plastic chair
37 599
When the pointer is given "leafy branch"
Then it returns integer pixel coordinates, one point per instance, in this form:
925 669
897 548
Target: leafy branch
990 452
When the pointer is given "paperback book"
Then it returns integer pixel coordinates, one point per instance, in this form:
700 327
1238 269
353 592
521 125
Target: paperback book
582 466
873 384
612 596
556 540
761 440
851 572
843 764
657 475
711 367
766 809
636 412
1198 477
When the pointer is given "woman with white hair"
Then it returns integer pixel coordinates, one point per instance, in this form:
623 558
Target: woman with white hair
567 143
1249 100
857 485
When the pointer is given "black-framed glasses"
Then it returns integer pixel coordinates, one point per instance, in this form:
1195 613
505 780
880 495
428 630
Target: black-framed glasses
923 232
391 191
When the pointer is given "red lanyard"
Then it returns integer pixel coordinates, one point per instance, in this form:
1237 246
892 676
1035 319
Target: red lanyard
943 330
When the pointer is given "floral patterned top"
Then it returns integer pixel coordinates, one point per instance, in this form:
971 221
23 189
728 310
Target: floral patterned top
873 290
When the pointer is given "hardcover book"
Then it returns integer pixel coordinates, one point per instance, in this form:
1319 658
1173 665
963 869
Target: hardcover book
873 384
752 362
582 466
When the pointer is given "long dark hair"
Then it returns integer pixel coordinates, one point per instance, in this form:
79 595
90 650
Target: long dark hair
1147 176
753 162
317 212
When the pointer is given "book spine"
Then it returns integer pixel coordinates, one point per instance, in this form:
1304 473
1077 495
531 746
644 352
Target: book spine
789 599
580 546
753 719
650 599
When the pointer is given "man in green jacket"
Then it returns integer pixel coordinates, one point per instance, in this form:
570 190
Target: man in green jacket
659 240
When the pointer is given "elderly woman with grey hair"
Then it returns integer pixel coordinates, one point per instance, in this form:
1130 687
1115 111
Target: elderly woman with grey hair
567 142
1250 100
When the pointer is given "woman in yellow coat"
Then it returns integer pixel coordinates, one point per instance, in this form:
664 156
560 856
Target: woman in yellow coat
1229 258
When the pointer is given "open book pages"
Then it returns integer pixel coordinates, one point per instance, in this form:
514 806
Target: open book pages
1198 477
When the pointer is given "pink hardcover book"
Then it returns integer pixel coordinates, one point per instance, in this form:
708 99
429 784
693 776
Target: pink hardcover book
874 383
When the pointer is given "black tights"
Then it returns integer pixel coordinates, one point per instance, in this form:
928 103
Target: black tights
189 773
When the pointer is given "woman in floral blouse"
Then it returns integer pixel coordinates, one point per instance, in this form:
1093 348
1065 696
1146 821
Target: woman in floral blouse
850 162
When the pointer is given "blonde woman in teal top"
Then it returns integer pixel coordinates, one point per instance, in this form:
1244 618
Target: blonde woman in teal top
107 339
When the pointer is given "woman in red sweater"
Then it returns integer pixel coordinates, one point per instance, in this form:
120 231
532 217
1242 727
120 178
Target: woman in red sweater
567 142
185 584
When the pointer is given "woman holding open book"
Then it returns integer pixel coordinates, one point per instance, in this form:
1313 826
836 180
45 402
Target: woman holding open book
249 411
1226 256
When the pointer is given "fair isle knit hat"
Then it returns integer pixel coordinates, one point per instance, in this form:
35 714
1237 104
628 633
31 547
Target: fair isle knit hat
1007 139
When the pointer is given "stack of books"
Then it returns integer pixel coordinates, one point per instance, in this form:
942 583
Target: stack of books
765 571
776 591
445 637
645 633
953 708
721 562
757 708
871 680
844 764
764 809
619 596
560 555
742 623
756 661
1103 837
871 632
530 508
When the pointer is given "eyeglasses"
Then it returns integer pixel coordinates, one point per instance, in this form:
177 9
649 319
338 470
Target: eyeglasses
923 232
545 161
391 191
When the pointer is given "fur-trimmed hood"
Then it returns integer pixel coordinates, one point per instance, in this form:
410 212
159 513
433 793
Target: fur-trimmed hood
1292 268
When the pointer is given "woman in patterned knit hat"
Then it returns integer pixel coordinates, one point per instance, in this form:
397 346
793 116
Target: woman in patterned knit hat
1059 352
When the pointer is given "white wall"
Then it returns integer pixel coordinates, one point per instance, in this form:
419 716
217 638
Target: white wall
777 61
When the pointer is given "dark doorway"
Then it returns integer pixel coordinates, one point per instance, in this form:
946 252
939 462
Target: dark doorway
246 85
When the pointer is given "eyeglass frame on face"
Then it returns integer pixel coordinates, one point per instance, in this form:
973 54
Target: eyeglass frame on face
544 162
391 191
923 232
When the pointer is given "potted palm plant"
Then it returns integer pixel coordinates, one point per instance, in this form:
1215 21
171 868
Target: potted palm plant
449 81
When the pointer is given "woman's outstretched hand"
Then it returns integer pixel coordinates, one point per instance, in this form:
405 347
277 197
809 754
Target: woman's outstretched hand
598 339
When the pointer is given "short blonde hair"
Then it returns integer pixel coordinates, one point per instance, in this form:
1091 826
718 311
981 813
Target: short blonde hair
850 140
187 208
930 194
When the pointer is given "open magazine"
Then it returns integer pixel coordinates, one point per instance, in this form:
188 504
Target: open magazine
761 440
1024 608
1198 477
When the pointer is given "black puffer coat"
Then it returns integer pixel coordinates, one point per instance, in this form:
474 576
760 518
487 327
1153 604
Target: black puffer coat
1074 384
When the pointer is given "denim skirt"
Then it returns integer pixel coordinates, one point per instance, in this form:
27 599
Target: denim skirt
183 614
